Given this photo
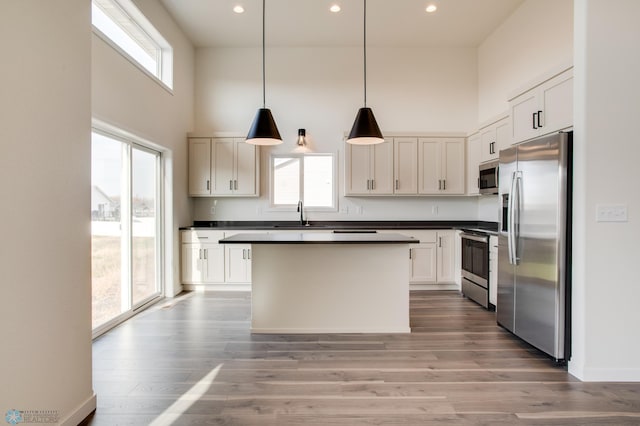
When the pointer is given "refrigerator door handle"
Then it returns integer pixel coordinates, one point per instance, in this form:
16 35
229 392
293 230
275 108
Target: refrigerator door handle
510 218
517 203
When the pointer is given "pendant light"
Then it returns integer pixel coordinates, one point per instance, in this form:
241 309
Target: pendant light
263 130
365 130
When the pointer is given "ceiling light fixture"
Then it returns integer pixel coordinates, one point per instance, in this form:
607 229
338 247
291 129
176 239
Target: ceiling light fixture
335 8
263 130
365 130
238 9
431 8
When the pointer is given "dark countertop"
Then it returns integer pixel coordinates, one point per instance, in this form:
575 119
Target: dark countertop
481 231
319 238
356 225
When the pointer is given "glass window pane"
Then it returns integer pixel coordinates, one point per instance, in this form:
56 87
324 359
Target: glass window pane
145 54
107 267
144 224
318 181
286 181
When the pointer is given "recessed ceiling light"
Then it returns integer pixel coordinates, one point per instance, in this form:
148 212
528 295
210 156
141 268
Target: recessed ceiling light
335 8
431 8
238 9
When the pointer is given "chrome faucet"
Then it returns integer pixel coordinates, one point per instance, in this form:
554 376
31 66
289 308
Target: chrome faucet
300 209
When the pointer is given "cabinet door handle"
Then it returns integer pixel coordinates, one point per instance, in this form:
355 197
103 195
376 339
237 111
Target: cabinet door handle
539 114
410 251
235 184
199 253
249 254
367 184
533 118
373 184
439 184
397 184
492 148
439 241
205 253
230 185
478 183
444 184
207 184
244 253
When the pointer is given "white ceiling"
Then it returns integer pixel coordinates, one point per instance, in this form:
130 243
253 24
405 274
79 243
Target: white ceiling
392 23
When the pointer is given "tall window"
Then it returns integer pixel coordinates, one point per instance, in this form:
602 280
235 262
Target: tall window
306 177
125 226
122 25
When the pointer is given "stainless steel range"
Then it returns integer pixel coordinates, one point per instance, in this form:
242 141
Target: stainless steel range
475 267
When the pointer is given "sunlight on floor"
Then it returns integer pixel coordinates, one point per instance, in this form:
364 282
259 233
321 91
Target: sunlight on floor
173 412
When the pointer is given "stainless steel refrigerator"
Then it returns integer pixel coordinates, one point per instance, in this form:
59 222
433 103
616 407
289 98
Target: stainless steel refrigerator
534 243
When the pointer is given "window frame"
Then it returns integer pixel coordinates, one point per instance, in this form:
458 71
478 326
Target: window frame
131 141
164 55
292 207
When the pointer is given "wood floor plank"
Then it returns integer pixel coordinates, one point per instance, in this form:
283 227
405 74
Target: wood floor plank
193 361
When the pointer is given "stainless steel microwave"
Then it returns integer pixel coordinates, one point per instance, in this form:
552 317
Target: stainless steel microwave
488 177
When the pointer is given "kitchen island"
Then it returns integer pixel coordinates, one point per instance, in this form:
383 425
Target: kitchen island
337 282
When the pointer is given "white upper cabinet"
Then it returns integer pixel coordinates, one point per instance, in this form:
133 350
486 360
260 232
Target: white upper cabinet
441 166
473 161
369 169
543 109
200 166
405 166
495 137
223 167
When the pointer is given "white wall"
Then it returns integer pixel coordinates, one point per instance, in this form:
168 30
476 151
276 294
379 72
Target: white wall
127 98
488 208
320 89
537 37
45 118
606 287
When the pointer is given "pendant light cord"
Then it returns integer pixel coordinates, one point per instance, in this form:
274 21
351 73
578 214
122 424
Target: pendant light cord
364 47
264 96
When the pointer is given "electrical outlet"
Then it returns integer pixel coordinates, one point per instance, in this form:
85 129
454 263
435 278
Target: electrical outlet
434 210
213 210
344 209
611 213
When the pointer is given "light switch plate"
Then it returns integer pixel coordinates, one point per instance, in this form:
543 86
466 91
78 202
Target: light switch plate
611 213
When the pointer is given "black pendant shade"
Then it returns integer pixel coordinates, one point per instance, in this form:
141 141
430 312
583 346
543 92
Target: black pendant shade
263 130
365 130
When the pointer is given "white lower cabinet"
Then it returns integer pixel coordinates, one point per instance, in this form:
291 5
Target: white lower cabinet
206 263
493 270
238 263
435 259
422 263
202 257
446 257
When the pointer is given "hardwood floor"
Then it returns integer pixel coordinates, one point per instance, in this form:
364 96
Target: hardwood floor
193 361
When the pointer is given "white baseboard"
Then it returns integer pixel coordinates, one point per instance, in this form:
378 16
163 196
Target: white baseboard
217 287
434 287
328 330
605 374
81 412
